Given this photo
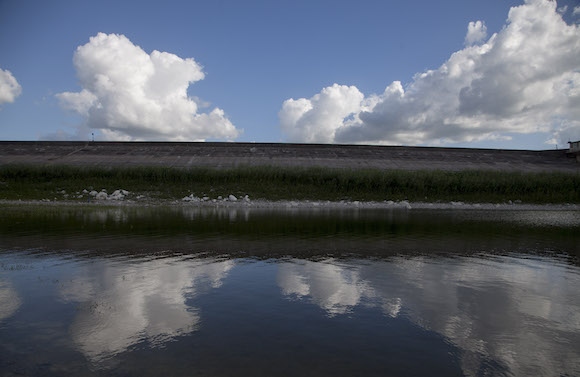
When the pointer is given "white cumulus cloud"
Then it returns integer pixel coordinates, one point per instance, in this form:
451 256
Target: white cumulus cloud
9 87
476 32
562 10
129 94
523 79
316 119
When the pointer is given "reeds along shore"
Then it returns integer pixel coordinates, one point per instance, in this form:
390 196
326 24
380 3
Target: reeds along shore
275 183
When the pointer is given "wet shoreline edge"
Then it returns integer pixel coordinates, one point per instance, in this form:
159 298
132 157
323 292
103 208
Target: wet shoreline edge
298 204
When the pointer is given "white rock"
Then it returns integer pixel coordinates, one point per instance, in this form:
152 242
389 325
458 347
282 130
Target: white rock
405 204
246 198
93 193
85 191
232 198
116 195
101 196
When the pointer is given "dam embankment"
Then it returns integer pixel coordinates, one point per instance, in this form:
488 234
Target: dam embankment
229 155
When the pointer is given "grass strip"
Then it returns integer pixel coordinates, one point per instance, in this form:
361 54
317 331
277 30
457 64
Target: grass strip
27 182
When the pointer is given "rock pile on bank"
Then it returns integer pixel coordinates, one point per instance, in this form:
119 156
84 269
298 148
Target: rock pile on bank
231 198
116 195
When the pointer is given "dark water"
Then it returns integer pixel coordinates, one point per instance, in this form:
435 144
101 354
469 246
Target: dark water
216 292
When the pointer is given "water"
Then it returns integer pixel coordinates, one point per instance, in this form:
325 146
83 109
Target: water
189 291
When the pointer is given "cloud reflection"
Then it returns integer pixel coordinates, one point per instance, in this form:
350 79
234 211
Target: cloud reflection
120 305
504 313
9 300
334 288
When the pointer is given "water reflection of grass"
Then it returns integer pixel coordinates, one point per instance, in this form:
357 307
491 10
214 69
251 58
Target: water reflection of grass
29 182
255 233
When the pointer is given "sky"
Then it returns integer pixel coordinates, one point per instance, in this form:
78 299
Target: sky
456 73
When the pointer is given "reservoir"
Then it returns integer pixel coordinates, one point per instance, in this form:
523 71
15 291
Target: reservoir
187 291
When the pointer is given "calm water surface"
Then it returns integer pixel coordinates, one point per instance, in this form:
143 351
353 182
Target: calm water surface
216 292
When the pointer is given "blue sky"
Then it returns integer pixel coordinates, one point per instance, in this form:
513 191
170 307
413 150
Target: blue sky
257 55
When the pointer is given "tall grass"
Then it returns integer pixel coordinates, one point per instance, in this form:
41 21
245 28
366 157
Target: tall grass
29 182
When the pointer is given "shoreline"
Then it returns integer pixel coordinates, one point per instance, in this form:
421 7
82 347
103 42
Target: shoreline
301 204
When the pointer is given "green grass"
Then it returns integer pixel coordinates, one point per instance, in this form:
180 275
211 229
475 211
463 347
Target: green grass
275 183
